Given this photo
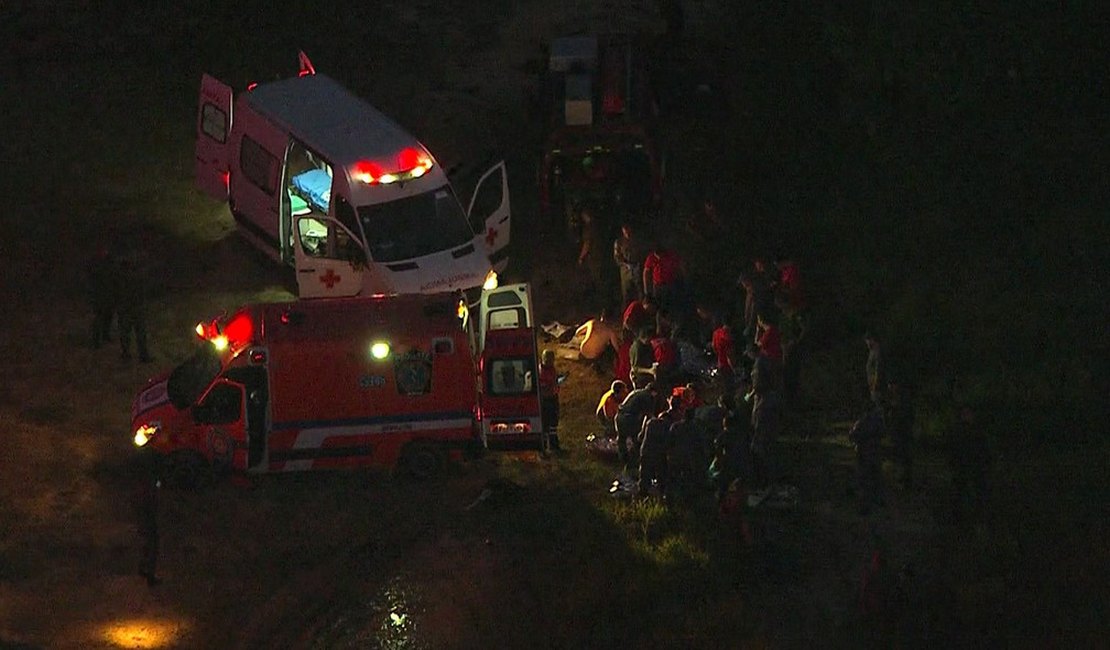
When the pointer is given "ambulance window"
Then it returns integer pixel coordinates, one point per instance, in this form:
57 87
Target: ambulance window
488 200
510 377
222 405
505 318
259 166
213 122
414 226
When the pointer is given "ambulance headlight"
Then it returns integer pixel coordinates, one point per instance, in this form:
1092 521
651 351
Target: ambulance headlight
379 350
145 432
490 282
220 342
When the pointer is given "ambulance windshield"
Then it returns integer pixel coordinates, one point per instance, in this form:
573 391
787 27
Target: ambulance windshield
415 226
188 381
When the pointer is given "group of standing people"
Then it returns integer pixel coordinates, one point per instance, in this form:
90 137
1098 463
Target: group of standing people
117 292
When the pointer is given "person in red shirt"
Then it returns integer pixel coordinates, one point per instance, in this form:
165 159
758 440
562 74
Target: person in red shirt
549 398
639 314
723 347
768 338
623 368
665 353
790 282
663 275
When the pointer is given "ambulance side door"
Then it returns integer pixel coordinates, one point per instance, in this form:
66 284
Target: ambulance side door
330 260
213 137
221 417
489 210
255 185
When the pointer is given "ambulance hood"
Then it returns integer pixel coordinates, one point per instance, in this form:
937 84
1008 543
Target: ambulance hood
464 267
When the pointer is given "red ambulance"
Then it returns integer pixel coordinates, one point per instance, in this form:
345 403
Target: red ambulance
409 381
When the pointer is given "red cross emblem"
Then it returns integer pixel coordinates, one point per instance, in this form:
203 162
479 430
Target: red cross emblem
491 236
330 278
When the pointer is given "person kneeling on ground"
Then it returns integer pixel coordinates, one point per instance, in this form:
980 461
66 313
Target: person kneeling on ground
654 446
608 405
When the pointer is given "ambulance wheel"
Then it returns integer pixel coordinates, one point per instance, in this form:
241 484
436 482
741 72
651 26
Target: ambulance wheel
188 470
424 460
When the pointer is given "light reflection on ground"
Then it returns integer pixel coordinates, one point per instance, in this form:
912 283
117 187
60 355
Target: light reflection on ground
386 622
143 633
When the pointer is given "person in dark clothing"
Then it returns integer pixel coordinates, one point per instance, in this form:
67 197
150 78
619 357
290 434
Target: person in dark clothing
899 418
629 252
147 486
131 298
549 398
969 457
685 458
591 255
102 295
636 408
766 424
758 299
642 357
654 446
792 328
867 434
876 368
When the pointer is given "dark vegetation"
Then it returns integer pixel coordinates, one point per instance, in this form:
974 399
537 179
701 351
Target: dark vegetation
937 171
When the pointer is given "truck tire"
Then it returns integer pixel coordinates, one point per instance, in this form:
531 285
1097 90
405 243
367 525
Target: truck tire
187 470
423 460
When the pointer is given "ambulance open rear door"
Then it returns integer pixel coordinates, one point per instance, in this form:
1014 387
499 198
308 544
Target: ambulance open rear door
213 134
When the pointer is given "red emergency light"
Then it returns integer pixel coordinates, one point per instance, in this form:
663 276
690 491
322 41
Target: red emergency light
411 163
239 330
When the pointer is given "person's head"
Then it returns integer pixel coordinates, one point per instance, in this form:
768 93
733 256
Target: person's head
548 357
764 319
752 351
871 339
603 315
745 281
619 388
627 230
709 207
759 264
645 334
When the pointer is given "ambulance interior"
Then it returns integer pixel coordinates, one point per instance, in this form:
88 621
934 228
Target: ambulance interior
308 185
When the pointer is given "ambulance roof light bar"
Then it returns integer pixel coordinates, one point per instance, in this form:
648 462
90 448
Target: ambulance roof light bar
410 163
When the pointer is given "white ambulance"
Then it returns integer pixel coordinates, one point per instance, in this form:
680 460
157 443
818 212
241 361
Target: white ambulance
323 181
